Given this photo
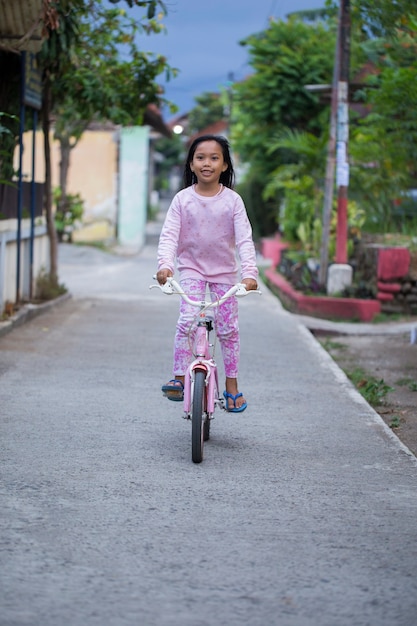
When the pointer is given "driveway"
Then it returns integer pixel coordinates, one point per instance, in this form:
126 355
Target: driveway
303 512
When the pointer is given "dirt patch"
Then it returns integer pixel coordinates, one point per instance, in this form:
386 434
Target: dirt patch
382 361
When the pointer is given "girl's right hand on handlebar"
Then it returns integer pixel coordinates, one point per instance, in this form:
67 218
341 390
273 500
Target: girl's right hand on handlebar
162 275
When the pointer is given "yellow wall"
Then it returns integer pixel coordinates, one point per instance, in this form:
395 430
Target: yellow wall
92 174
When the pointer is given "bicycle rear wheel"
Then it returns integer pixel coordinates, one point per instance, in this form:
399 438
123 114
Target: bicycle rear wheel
197 416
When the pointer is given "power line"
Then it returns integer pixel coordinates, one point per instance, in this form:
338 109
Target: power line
271 11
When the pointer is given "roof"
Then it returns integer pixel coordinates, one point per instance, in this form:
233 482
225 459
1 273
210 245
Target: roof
154 119
217 128
21 24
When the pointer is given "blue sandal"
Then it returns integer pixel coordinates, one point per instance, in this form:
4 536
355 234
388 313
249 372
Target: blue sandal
235 409
173 390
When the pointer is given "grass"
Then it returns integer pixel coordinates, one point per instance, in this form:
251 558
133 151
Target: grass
48 287
395 422
381 318
407 382
99 245
373 390
329 344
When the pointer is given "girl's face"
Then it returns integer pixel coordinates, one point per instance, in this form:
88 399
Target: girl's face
208 162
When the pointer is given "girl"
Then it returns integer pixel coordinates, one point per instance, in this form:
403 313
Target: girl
205 224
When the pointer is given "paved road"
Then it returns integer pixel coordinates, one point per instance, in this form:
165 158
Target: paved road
303 512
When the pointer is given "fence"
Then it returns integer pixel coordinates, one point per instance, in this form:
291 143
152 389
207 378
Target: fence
8 258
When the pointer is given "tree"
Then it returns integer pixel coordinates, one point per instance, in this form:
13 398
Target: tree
100 84
9 107
60 31
172 153
301 180
384 143
273 100
93 69
381 18
210 108
285 58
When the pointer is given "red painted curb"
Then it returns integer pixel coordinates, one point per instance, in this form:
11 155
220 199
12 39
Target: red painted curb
323 306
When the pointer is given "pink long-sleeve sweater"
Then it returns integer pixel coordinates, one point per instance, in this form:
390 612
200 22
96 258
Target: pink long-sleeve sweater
201 235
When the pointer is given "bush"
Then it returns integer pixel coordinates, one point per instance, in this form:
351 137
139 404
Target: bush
48 287
68 214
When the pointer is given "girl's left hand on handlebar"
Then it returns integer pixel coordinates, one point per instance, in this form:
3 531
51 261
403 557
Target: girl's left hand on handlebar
250 284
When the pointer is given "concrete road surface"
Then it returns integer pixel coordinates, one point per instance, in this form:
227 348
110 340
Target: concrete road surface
303 513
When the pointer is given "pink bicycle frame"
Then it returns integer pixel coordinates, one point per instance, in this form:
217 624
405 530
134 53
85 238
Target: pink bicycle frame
204 362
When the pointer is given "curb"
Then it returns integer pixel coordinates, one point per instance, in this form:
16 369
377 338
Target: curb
327 306
321 326
29 312
340 375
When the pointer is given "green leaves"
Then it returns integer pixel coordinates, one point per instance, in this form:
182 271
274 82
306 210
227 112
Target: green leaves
373 390
383 144
275 114
97 69
383 17
4 130
209 109
286 57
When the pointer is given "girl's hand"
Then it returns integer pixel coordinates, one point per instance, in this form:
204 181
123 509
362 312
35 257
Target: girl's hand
250 284
162 276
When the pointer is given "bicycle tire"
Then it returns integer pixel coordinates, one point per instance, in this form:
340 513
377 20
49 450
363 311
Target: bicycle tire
197 416
206 429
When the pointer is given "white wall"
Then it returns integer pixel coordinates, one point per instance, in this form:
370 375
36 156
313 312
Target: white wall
8 258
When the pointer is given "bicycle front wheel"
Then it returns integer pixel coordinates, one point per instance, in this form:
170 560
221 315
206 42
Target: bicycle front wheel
198 410
206 429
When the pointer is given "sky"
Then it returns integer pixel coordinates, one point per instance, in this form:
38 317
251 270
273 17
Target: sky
202 42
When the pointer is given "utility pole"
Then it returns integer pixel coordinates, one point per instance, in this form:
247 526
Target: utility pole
330 166
228 106
342 164
339 274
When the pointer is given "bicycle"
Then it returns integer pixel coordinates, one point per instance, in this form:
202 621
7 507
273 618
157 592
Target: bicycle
201 385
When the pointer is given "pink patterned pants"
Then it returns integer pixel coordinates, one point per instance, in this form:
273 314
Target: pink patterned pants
226 322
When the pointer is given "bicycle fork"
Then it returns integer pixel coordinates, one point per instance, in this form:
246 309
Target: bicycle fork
211 386
203 362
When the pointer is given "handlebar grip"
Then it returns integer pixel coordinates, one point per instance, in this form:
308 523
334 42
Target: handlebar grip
169 287
242 291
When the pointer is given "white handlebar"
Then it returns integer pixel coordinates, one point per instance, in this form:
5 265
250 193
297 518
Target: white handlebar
172 287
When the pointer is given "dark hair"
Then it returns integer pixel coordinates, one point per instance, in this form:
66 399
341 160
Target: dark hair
227 178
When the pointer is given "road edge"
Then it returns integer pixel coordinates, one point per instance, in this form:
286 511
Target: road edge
30 311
